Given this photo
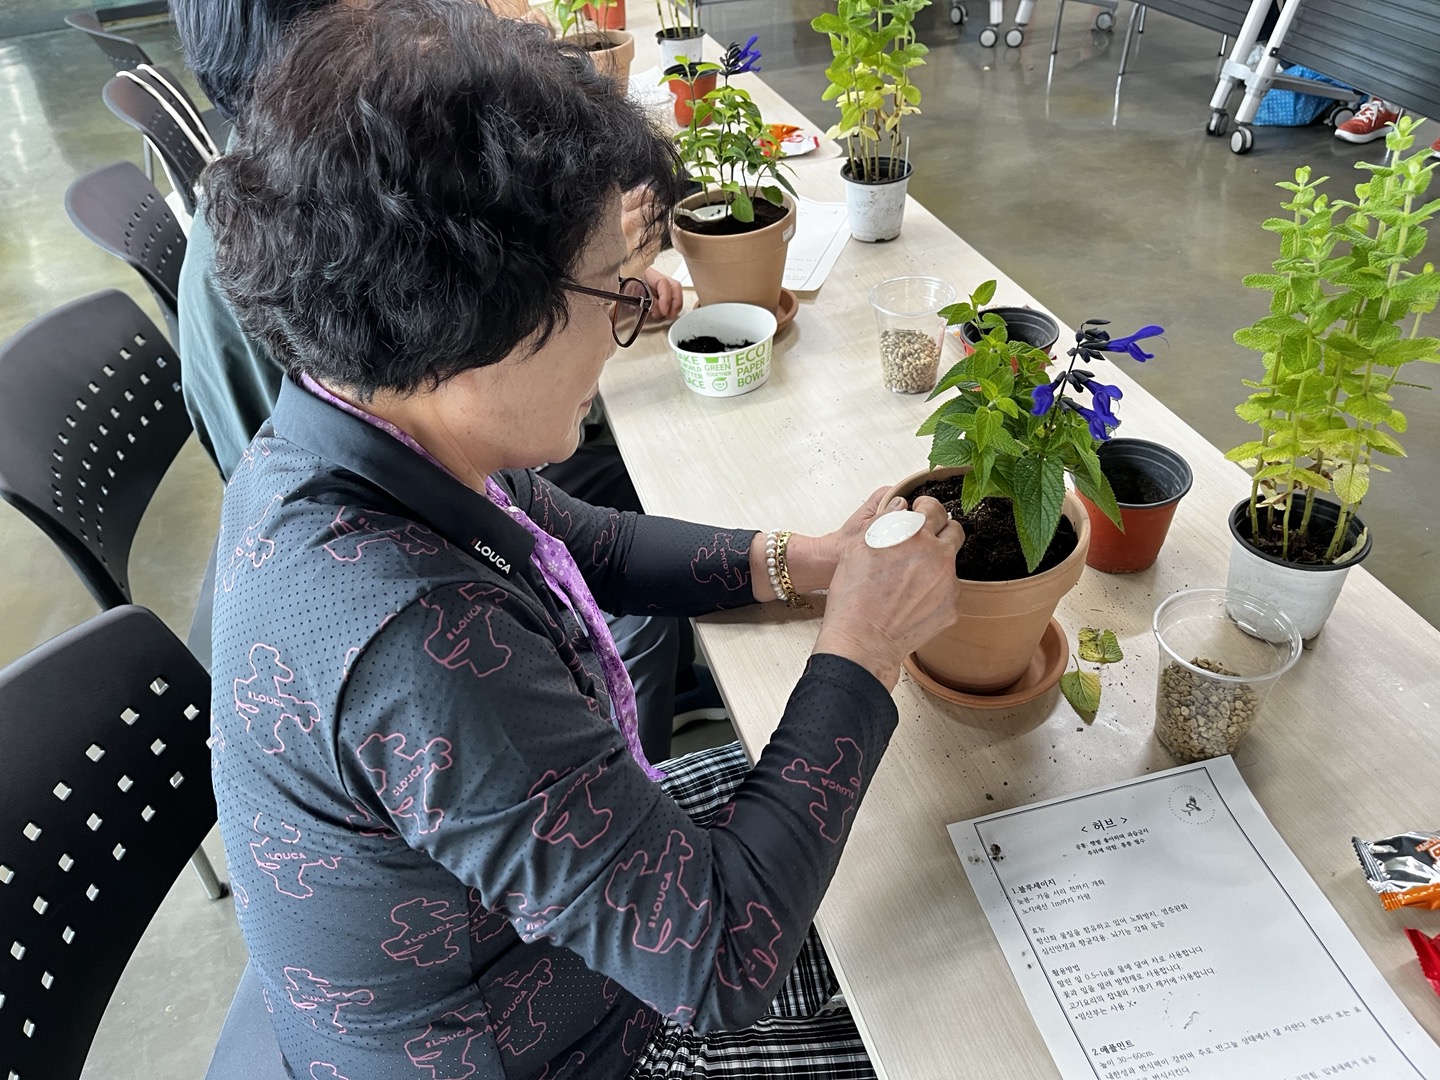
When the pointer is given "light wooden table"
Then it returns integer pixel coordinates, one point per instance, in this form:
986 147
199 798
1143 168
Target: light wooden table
1347 743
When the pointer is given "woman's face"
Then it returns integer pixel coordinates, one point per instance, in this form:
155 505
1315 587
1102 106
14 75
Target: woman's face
527 409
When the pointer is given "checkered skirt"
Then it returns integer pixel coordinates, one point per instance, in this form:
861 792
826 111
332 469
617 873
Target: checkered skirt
808 1033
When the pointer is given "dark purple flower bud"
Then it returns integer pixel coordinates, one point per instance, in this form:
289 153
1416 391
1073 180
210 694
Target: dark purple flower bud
1101 421
1131 344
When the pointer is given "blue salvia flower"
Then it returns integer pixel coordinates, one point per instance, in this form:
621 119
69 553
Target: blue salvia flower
1101 420
1044 398
741 59
1104 396
1131 344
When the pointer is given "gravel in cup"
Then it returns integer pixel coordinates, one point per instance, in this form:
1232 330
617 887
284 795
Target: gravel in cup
909 360
1198 718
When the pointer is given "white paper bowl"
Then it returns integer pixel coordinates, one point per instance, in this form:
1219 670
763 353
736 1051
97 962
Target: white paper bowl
737 371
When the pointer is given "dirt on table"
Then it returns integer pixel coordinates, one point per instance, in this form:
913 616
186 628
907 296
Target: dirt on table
992 547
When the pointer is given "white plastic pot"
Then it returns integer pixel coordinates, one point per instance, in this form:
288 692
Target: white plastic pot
1307 594
672 48
876 210
729 372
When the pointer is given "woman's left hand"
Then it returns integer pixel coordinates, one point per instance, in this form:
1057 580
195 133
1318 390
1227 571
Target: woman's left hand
668 295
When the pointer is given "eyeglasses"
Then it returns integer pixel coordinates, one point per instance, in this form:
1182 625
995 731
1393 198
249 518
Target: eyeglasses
628 310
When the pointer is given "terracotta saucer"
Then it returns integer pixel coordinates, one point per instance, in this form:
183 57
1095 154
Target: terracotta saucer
785 311
1051 658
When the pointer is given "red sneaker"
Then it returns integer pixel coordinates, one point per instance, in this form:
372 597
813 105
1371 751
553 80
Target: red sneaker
1371 122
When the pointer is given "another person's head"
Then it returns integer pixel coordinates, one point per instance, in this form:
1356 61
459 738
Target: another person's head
415 185
227 42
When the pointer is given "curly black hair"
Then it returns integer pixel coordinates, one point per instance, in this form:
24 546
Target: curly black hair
226 42
412 183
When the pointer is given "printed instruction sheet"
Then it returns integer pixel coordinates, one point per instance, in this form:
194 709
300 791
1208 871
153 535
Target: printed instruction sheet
1162 928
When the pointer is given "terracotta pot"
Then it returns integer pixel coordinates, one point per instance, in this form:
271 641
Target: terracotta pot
611 17
1021 324
687 93
1137 548
1305 593
615 58
998 624
746 268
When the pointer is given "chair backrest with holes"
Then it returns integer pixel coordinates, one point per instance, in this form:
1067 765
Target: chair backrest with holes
144 111
123 52
90 419
104 795
125 214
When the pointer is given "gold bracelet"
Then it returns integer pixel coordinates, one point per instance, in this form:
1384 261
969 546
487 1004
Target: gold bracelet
781 572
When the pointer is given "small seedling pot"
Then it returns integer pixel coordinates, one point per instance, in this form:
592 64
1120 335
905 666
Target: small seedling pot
1113 551
876 208
725 372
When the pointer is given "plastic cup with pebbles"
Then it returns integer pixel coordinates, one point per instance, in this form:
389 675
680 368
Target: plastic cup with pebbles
912 331
1220 653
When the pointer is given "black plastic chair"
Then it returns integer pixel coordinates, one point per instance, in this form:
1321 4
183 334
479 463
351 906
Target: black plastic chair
104 793
163 113
125 214
119 50
90 419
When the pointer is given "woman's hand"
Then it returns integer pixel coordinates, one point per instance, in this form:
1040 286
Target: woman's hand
669 297
886 602
812 559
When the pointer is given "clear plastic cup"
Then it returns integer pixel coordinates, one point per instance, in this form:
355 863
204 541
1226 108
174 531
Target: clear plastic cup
912 333
1220 653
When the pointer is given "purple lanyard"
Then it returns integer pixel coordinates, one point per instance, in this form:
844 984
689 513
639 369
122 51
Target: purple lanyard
557 566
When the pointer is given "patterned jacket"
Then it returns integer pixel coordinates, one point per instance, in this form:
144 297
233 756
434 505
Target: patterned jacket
446 864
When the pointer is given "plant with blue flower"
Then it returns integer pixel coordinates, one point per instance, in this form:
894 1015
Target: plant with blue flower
726 147
1022 428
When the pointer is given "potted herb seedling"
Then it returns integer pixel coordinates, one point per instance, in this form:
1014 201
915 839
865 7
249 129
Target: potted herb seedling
680 38
999 454
606 14
612 51
1347 294
874 49
734 233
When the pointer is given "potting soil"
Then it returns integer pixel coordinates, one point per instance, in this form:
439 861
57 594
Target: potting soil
709 346
991 551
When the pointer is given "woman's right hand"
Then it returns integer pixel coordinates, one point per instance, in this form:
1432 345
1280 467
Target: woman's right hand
884 603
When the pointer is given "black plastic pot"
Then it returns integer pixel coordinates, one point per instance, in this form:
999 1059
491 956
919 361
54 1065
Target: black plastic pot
1021 323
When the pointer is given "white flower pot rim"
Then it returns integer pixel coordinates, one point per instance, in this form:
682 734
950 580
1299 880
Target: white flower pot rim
1241 512
680 33
845 175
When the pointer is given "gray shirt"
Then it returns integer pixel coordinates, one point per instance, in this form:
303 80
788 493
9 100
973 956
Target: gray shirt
443 856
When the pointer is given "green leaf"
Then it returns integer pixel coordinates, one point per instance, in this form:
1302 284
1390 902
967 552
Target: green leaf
1101 494
1351 482
1081 690
1039 496
983 294
1099 646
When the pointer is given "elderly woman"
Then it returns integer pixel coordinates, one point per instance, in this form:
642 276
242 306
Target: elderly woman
447 849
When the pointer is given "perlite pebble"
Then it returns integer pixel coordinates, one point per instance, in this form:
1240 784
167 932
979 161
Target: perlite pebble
1198 718
909 361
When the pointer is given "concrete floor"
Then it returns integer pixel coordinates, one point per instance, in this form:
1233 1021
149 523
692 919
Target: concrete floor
1142 219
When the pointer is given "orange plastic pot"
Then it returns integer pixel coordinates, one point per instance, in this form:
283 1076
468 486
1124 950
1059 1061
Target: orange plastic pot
1113 551
610 17
687 92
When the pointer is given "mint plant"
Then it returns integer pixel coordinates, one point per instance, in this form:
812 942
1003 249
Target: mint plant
726 146
1021 430
874 48
1344 322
